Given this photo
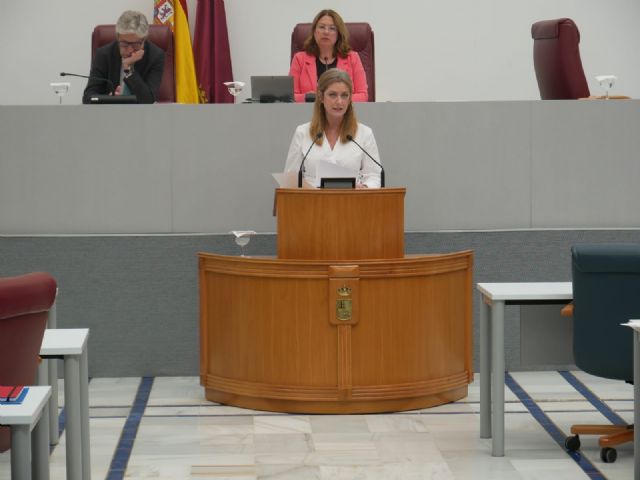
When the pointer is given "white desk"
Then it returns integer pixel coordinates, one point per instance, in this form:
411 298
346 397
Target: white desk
492 365
23 419
71 346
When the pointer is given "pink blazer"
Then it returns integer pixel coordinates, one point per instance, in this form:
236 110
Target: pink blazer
305 75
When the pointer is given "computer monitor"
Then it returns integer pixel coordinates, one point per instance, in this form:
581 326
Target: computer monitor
272 88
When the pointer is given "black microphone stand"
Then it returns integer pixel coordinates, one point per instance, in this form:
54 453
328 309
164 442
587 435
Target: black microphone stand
305 157
351 139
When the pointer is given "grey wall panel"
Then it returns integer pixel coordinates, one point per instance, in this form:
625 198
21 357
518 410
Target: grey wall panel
84 170
546 338
189 168
465 165
585 165
222 174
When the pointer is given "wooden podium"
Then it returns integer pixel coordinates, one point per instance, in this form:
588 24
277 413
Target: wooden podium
340 224
341 321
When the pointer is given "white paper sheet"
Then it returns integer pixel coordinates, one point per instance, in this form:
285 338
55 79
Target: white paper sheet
331 170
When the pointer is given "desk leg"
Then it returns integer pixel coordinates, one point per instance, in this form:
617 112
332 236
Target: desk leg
636 403
53 381
72 413
40 436
485 370
84 411
497 370
40 447
20 452
53 401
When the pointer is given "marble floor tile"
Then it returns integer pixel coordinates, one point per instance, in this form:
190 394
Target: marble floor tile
288 472
605 387
192 435
544 469
112 392
183 436
395 423
270 444
338 424
281 424
177 391
387 471
191 466
109 412
398 447
543 386
476 464
343 449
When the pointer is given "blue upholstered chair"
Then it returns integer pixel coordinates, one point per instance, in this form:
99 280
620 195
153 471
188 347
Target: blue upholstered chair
606 293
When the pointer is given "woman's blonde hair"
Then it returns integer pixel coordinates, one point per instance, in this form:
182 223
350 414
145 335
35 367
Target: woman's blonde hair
349 124
341 47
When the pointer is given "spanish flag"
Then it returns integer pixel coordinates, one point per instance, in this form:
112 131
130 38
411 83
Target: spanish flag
173 13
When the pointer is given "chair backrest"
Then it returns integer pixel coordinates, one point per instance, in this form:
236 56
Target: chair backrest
24 305
556 59
162 37
606 282
361 41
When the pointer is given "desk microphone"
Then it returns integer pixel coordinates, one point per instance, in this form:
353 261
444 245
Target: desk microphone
100 79
318 136
350 138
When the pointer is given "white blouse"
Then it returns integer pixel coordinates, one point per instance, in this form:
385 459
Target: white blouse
347 155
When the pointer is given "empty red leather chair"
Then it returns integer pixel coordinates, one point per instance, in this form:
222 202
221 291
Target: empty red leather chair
361 41
160 35
556 59
25 302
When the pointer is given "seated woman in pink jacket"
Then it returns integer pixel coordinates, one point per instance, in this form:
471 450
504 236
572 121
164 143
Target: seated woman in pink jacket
327 46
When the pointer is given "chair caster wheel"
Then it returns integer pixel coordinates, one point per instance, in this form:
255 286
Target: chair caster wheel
608 455
572 443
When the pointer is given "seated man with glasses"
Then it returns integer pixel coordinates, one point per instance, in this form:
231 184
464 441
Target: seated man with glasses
131 65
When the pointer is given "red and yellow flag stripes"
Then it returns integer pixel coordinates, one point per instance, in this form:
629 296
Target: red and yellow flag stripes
173 13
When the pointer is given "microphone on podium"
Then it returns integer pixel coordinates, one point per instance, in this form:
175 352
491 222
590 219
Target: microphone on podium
318 136
351 139
100 79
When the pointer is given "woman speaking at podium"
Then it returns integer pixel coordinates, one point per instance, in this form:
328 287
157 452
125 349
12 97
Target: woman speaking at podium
334 134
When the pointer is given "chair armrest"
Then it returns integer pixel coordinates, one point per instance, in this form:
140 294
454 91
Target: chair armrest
567 310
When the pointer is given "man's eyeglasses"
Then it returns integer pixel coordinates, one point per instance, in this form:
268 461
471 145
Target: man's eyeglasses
135 45
327 28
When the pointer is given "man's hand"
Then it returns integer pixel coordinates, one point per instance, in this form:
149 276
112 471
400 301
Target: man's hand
133 58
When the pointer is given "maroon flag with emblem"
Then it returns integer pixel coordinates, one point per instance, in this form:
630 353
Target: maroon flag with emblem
211 51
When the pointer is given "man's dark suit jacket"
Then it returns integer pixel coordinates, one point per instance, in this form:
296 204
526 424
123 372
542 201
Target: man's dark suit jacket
144 81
